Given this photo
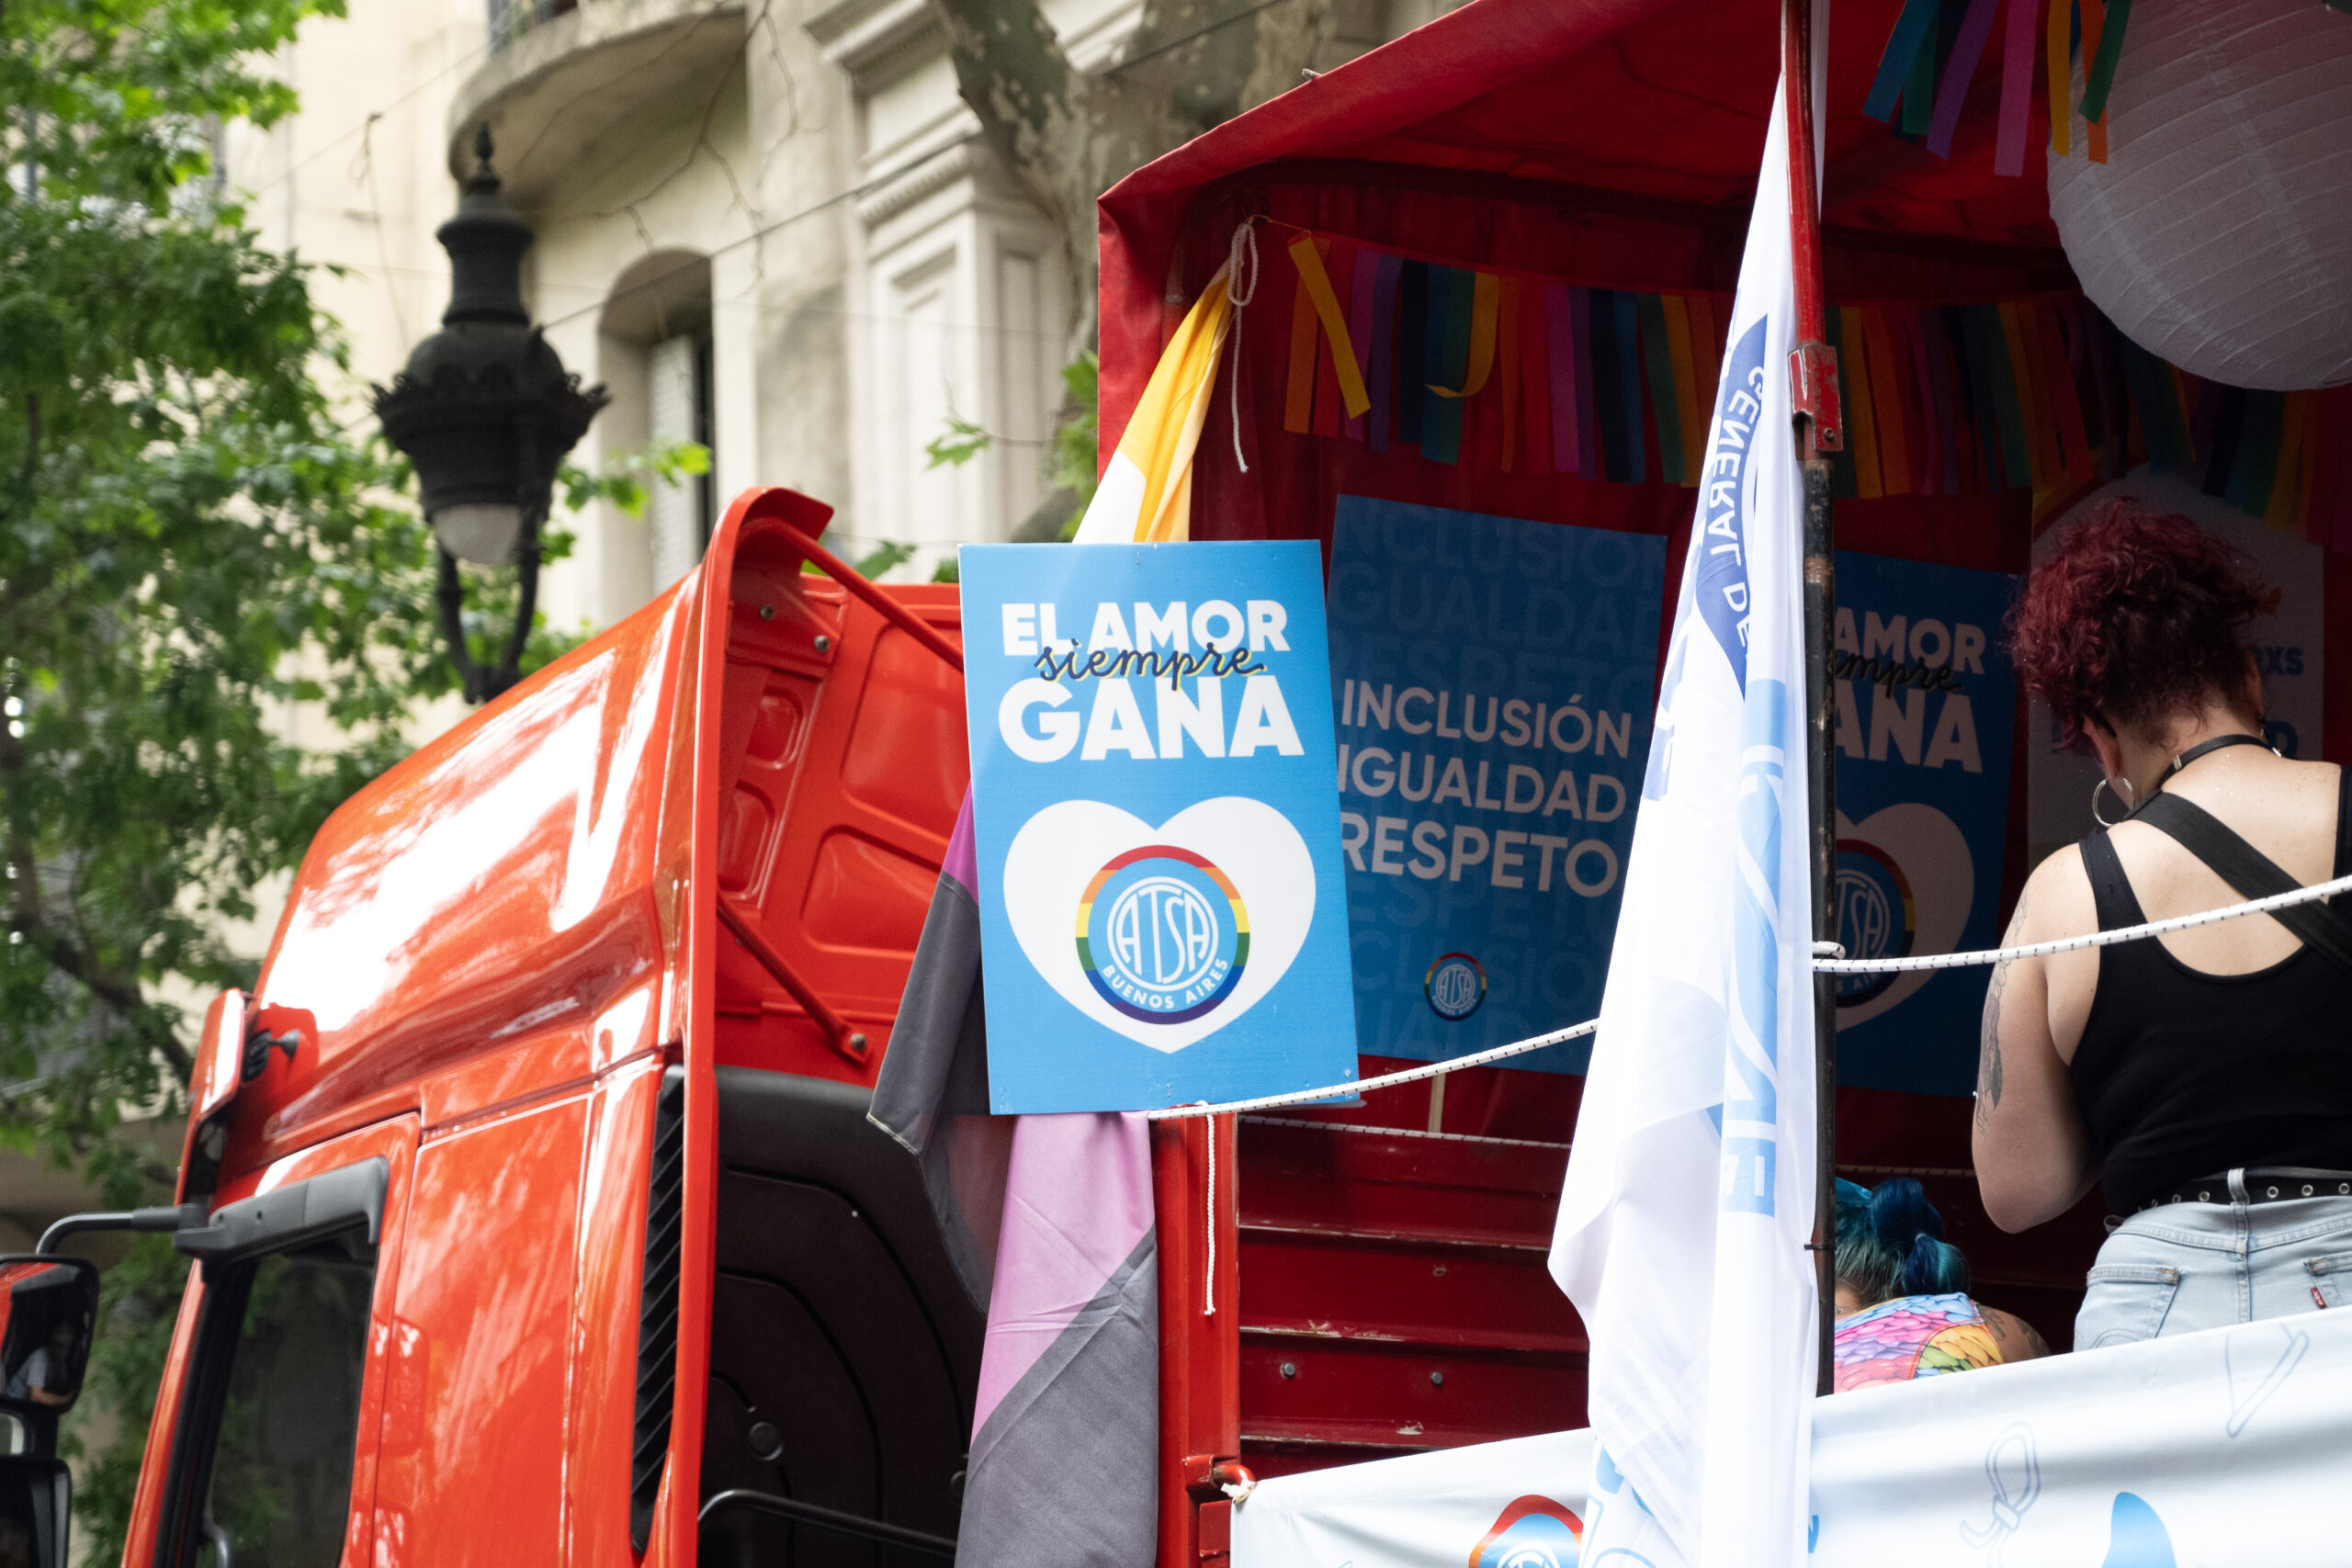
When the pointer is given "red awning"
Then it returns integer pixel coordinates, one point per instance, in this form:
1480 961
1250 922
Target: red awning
1639 112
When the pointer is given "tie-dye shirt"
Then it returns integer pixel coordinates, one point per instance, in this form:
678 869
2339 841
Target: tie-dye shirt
1911 1336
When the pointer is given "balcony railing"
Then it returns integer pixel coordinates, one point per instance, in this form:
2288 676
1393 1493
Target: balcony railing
510 19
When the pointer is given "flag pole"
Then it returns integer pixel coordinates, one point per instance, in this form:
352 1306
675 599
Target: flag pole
1820 428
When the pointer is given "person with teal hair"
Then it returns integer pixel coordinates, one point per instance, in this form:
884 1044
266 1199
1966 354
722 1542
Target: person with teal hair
1904 1310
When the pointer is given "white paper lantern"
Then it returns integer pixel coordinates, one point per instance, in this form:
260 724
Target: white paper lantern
2219 234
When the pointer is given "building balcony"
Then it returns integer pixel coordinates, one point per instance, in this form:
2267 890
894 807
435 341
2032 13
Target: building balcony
560 72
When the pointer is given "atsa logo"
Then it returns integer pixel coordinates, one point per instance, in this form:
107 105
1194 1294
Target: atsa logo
1533 1532
1455 986
1162 934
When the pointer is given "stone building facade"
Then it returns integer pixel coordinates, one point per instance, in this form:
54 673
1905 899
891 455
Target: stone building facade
771 225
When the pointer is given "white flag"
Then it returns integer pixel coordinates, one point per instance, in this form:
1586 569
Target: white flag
1689 1200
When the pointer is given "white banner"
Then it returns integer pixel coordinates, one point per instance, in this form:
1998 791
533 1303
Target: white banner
2220 1449
1689 1198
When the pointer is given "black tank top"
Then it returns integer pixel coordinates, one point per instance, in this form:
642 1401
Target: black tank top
2182 1074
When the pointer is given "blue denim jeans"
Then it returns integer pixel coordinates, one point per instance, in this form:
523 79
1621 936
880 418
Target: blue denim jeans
2182 1267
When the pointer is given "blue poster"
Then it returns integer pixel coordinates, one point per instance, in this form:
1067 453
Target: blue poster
1925 705
1495 679
1162 919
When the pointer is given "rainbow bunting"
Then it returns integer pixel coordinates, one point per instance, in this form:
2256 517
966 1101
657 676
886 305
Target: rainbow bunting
1935 47
1534 375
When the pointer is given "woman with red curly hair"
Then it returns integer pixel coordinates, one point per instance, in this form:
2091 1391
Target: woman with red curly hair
2203 1079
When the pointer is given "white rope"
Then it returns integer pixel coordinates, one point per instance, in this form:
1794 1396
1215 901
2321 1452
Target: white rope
1386 1081
1208 1276
1245 243
2097 939
1823 962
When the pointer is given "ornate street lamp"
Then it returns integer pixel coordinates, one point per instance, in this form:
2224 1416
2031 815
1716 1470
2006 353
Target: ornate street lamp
486 412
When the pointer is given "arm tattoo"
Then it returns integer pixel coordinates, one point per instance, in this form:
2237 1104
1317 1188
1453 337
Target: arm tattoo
1988 1065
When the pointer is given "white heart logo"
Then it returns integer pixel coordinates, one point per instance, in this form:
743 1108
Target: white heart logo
1163 934
1928 856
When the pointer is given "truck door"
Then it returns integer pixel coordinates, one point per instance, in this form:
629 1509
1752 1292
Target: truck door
474 1439
273 1438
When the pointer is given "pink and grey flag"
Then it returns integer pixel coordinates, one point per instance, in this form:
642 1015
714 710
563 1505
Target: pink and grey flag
1048 1219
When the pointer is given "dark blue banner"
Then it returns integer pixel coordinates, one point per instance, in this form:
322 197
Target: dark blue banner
1494 680
1925 705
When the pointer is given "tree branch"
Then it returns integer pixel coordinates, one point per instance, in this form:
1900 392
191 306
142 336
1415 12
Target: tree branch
31 924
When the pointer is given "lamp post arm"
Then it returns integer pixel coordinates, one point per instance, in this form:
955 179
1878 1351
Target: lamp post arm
451 594
534 505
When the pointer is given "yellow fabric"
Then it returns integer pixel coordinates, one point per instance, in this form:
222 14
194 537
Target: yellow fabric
1164 430
1309 262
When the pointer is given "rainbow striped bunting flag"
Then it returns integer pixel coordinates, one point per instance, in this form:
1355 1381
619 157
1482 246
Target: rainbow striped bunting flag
1533 374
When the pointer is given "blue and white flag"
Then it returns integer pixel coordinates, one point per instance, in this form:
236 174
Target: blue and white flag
1688 1199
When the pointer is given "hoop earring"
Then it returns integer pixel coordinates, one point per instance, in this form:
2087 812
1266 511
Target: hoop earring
2123 791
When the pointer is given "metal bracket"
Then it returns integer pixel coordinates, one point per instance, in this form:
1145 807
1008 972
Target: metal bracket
850 1043
1813 394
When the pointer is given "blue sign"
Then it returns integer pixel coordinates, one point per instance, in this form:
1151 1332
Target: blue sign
1496 681
1925 705
1162 909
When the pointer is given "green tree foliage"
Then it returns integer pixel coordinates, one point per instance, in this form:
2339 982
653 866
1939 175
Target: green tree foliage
1070 461
196 546
189 544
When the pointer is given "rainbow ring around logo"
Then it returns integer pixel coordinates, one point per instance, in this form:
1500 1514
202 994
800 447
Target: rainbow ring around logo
1878 914
1455 986
1533 1532
1162 934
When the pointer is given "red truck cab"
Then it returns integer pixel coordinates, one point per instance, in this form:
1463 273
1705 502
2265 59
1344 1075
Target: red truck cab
544 1215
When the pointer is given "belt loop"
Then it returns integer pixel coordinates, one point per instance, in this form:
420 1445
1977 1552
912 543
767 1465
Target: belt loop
2238 1195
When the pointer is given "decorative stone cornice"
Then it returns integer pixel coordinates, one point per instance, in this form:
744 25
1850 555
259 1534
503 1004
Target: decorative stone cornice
965 159
875 40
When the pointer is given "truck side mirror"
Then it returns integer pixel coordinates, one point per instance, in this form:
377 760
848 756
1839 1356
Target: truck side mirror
48 1313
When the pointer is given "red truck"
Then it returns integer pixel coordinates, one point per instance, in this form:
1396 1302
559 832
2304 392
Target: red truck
536 1213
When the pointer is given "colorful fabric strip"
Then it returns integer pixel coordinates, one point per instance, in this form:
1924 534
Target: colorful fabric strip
1484 295
2094 28
1588 412
1657 363
1539 369
1560 351
1919 92
2034 429
2017 85
1914 29
1339 262
1686 387
1506 355
2059 63
1451 300
1305 255
1412 349
2017 461
1362 288
1298 395
1629 372
1886 389
1966 50
1861 415
2098 77
1384 347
